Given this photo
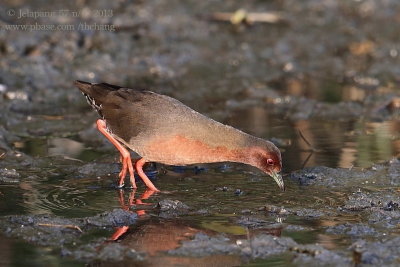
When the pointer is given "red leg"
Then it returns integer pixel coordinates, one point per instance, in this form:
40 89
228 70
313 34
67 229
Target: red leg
125 155
119 232
146 180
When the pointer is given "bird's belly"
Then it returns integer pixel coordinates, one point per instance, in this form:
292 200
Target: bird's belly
179 150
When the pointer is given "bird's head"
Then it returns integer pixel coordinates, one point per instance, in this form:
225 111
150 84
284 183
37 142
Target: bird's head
268 159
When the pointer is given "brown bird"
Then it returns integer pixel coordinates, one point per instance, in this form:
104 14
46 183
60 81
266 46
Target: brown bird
162 129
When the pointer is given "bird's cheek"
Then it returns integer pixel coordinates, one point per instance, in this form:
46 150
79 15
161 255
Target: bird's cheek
277 169
272 169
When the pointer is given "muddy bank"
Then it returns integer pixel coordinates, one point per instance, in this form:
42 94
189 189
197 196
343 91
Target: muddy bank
386 174
326 69
69 237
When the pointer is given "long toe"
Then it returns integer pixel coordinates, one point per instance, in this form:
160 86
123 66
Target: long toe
119 186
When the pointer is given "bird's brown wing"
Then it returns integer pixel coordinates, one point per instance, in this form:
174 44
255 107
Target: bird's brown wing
137 117
129 112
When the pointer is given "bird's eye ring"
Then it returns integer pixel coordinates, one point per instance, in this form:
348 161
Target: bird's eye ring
270 161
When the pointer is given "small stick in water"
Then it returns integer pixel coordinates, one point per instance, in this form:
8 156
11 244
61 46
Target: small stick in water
70 226
313 149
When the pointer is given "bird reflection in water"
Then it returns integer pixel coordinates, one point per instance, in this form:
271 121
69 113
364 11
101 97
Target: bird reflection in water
156 236
127 206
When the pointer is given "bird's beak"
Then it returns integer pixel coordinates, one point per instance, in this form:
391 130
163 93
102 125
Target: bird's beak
278 179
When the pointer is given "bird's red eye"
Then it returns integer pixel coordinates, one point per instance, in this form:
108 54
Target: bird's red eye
270 161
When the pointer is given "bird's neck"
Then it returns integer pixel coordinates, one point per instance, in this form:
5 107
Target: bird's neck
241 155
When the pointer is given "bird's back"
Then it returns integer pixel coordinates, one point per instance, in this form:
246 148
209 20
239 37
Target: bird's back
139 118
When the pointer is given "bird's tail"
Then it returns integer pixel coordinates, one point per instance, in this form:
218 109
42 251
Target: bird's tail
83 86
95 90
95 93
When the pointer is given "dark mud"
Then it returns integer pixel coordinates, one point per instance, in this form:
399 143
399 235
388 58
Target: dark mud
321 82
70 236
386 174
260 247
381 253
172 208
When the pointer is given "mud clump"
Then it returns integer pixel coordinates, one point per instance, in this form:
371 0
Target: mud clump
103 251
352 230
379 174
309 213
255 223
98 169
359 201
378 253
43 230
332 177
380 208
259 247
315 255
388 219
172 208
263 246
117 217
204 245
9 176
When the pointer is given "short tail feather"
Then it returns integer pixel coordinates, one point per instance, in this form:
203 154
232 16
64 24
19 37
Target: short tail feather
95 92
85 87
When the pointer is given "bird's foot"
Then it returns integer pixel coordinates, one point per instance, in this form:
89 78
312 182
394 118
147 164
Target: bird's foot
119 186
139 168
130 187
121 176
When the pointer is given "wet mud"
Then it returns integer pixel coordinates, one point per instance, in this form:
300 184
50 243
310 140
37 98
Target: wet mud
320 81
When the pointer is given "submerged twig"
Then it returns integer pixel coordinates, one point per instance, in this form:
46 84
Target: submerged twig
69 226
307 159
305 140
73 159
312 148
3 155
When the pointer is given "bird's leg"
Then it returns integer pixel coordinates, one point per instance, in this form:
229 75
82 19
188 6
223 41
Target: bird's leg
125 155
146 180
127 164
122 173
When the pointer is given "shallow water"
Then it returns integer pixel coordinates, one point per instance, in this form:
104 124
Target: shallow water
222 192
